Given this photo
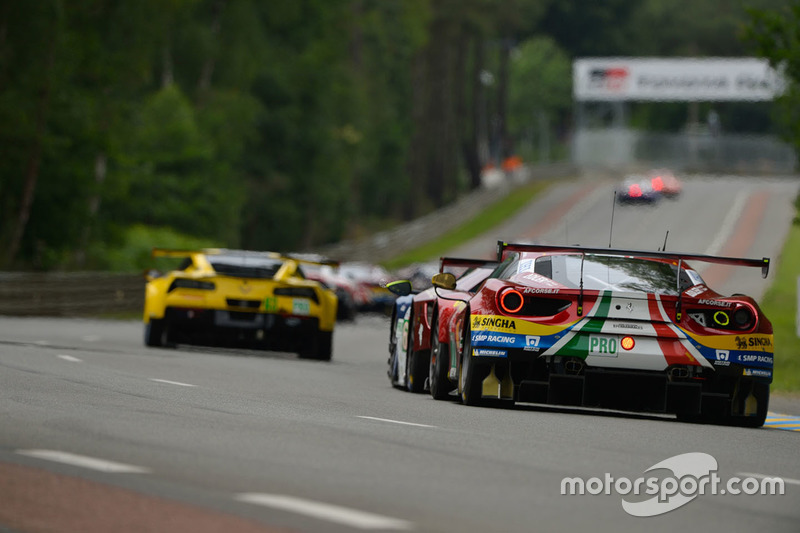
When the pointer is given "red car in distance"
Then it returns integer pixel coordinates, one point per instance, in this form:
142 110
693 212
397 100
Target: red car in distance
665 182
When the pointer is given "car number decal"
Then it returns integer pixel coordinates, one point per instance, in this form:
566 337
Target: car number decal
300 307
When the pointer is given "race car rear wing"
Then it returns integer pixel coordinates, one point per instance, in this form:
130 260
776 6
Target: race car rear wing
504 247
175 252
463 262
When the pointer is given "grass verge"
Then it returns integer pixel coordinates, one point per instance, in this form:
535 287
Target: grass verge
780 306
484 220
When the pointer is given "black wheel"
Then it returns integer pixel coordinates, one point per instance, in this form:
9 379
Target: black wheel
439 366
470 380
416 370
392 370
761 393
416 363
155 333
320 349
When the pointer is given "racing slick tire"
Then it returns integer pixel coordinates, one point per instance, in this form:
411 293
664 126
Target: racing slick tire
470 379
416 369
416 363
761 393
438 381
320 349
154 332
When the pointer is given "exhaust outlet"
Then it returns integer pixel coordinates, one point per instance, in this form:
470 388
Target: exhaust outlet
679 372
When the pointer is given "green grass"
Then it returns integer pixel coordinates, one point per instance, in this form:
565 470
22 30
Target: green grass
780 306
483 221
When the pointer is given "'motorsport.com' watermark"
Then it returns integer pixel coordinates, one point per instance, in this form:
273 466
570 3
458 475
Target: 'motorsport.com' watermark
693 474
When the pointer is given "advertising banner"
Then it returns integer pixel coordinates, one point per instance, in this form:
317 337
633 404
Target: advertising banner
677 79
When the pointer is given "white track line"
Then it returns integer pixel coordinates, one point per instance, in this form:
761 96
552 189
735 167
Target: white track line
728 224
84 461
787 480
324 511
168 382
396 422
70 358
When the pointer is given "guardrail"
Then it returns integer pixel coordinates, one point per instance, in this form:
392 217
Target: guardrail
70 293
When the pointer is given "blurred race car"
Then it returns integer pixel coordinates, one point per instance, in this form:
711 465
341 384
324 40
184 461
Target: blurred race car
618 329
663 181
418 352
371 280
239 298
325 271
637 190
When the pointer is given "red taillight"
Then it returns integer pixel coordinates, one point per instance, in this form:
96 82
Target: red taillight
511 301
627 343
658 183
635 191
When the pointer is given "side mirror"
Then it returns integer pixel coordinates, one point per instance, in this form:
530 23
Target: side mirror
445 280
400 288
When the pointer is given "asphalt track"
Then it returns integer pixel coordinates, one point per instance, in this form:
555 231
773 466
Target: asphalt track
98 433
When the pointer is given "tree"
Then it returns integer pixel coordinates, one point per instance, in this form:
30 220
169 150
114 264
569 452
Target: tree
775 35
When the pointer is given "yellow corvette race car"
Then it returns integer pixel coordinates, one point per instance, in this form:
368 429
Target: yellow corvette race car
239 298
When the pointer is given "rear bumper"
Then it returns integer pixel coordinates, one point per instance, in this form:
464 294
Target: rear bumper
699 390
219 327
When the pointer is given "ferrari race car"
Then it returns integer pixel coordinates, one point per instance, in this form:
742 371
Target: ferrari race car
233 298
618 329
417 359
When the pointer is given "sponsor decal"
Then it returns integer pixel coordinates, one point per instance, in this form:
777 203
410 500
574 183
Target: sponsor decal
756 358
500 339
489 352
718 303
300 307
757 372
532 343
526 265
744 343
271 304
539 290
483 322
625 325
723 358
696 291
603 346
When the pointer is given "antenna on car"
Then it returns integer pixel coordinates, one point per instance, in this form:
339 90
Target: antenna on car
664 248
611 229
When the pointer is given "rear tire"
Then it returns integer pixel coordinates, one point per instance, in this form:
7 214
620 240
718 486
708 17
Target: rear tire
469 376
416 370
320 349
761 393
155 333
416 362
439 366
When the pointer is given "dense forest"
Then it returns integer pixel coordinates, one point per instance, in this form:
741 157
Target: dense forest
285 124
